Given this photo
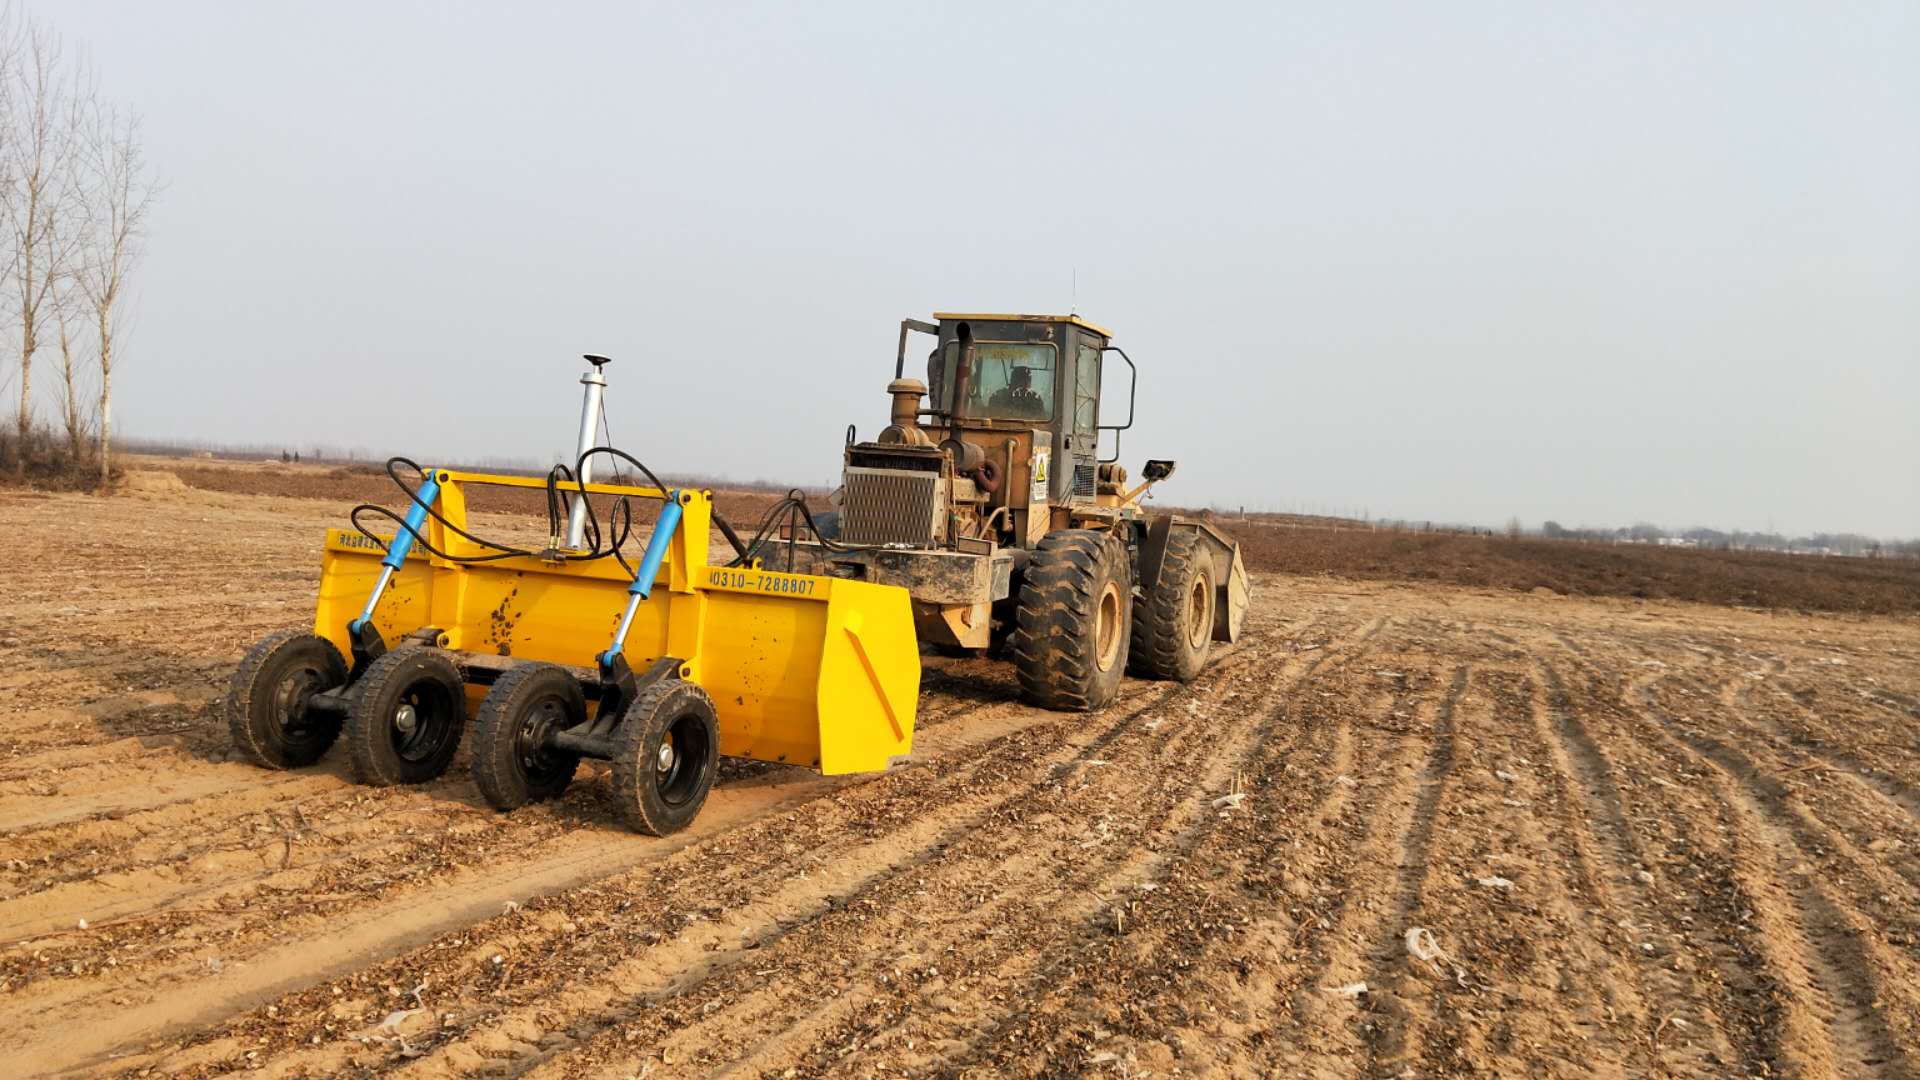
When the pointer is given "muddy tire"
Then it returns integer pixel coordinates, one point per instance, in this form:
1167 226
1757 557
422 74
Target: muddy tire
407 720
511 762
1071 628
668 752
267 697
1173 621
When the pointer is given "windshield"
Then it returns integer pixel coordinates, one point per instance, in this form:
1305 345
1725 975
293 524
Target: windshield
1011 380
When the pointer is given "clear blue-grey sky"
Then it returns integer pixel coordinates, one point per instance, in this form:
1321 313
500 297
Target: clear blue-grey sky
1594 263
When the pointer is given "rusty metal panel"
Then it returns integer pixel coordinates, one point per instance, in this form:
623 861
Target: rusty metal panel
890 506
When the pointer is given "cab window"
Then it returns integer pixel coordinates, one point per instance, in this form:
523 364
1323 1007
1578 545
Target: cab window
1011 380
1086 389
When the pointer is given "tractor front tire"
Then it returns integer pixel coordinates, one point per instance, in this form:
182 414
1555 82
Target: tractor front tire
512 762
1071 627
1173 621
406 723
667 754
267 699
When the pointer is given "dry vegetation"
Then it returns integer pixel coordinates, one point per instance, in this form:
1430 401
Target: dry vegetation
1580 568
1479 832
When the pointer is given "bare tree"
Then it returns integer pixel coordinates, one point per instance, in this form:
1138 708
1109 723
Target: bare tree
75 410
40 152
117 195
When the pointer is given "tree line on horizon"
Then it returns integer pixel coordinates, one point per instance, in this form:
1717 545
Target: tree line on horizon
75 193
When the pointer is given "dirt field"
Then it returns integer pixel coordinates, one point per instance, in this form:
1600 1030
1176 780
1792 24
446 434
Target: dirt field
1889 586
1479 832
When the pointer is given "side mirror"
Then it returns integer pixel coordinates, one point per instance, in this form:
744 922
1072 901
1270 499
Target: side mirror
1158 470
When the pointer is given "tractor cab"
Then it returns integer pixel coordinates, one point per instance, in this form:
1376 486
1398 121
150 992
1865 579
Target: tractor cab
990 470
1035 373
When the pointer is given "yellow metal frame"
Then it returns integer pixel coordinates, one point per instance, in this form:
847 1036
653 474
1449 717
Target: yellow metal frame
802 669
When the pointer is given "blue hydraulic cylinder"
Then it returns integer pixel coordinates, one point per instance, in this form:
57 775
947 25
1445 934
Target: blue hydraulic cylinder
656 553
402 543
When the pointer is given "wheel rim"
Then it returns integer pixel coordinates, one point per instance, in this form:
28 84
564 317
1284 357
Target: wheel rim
1107 627
1199 611
421 720
681 756
288 705
530 751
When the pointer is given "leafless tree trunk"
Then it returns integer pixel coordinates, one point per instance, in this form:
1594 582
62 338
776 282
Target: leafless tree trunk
118 194
73 407
41 150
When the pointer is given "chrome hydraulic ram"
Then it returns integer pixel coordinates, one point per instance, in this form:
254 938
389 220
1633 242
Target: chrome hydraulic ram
595 380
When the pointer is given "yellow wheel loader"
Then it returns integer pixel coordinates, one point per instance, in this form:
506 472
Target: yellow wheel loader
986 498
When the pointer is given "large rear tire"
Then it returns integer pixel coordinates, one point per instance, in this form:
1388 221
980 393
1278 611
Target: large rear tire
512 762
667 756
267 699
1072 626
1173 621
406 723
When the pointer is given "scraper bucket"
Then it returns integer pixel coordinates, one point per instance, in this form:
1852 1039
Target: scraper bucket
807 670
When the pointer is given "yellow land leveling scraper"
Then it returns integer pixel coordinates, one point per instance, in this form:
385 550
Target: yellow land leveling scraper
568 653
802 649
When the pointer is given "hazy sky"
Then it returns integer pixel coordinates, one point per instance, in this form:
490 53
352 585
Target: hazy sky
1459 261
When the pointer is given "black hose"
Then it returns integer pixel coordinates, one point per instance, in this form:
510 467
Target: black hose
620 521
793 507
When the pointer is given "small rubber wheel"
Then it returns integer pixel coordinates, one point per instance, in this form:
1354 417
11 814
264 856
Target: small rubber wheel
511 761
668 753
407 720
267 699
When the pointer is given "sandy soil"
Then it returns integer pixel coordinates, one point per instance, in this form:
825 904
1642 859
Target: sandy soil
1477 832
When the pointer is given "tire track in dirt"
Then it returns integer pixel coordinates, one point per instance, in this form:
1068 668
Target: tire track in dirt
1615 871
1803 739
1401 1038
1319 1029
350 930
1769 1025
1005 848
815 933
1049 721
1058 997
1053 902
1823 947
108 868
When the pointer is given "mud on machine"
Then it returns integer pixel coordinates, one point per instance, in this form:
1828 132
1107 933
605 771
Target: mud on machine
570 651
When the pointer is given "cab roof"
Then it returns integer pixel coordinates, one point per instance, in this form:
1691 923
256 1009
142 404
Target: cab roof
949 316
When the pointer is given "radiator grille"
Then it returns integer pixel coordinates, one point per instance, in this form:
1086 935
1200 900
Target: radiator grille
1083 476
889 506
